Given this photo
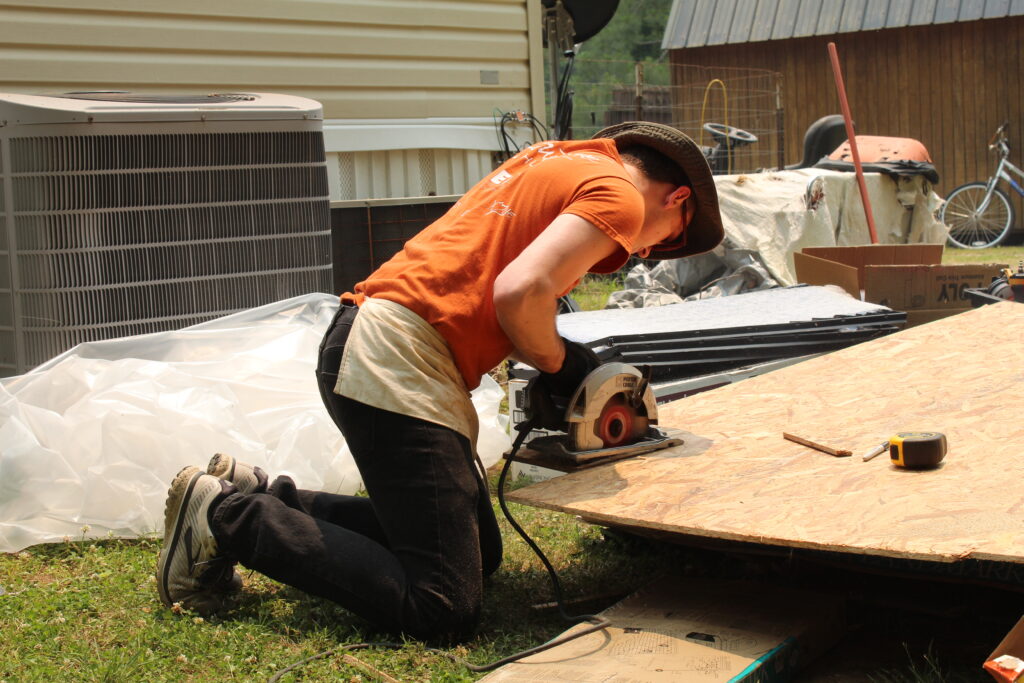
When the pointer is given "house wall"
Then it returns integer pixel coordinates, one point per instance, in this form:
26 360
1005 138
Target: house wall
421 75
947 85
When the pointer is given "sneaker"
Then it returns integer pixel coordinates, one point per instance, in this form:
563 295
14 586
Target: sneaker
189 570
246 478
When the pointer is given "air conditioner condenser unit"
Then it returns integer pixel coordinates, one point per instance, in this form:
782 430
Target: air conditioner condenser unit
124 213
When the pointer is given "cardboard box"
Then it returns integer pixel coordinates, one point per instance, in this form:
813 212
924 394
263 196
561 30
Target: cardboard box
682 630
1006 663
904 277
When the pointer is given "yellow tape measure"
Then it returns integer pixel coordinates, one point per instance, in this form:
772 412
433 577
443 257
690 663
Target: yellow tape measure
917 450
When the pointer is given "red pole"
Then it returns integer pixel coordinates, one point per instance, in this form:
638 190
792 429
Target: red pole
838 73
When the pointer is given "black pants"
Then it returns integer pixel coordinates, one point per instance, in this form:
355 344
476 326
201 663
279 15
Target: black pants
411 558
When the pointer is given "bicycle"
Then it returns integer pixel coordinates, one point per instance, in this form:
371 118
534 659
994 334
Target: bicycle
980 215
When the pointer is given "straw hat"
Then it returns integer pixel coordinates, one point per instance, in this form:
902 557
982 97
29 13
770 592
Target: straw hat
704 232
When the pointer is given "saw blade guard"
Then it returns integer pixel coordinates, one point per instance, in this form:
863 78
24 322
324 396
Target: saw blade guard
613 406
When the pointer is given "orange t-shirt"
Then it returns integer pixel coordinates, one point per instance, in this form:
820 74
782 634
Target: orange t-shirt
445 274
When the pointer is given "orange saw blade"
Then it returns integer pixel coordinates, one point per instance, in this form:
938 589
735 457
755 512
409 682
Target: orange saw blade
619 424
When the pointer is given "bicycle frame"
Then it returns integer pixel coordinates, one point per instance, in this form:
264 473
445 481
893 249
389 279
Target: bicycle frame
1001 174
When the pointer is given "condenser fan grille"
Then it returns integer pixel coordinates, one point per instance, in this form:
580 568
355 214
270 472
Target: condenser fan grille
115 235
177 151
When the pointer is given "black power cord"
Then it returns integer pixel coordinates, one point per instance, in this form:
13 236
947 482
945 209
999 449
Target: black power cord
597 622
564 103
509 147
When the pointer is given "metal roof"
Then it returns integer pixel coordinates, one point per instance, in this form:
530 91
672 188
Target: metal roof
696 23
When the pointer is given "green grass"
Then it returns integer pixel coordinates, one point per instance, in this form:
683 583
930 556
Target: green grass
88 611
1008 255
593 290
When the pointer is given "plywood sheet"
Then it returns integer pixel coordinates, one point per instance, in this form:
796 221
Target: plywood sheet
736 477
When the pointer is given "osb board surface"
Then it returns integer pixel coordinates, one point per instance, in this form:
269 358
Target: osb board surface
736 477
683 630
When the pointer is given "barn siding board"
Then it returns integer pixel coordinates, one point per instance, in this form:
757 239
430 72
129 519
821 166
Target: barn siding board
947 85
960 111
976 124
910 107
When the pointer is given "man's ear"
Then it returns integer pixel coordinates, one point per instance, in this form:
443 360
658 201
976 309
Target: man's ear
676 197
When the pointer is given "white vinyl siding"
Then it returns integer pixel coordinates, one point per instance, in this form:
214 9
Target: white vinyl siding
409 173
385 62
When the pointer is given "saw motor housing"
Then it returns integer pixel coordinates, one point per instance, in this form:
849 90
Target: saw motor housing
613 406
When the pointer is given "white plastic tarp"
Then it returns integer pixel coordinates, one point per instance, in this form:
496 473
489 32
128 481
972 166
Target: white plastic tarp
779 212
769 216
91 439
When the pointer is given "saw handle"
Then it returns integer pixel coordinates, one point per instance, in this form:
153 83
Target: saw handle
543 410
579 362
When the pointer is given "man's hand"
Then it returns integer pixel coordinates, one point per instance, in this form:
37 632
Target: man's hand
579 362
549 393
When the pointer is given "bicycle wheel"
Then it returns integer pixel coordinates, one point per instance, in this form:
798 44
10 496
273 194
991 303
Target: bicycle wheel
969 229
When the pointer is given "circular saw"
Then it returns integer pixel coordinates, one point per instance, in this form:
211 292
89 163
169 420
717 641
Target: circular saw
612 413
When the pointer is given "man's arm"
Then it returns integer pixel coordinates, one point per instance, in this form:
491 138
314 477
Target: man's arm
526 291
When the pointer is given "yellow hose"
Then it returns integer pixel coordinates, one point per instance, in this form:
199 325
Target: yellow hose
703 106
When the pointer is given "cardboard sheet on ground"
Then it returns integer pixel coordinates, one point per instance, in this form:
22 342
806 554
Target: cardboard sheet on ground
93 437
737 478
687 630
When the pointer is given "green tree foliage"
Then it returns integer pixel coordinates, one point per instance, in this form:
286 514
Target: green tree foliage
634 33
605 71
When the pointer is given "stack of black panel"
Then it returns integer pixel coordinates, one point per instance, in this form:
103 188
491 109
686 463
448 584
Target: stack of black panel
689 354
714 335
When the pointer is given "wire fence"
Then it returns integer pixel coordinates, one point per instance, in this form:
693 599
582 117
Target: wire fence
686 97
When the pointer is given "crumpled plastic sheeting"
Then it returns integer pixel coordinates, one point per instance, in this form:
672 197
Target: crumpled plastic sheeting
723 272
90 441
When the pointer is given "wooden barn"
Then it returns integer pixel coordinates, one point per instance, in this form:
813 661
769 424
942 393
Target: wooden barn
945 72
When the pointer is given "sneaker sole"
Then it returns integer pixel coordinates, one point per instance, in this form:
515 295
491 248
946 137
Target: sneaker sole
253 479
222 466
177 500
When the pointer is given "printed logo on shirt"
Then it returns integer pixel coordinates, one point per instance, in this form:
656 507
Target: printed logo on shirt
499 178
541 152
501 209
